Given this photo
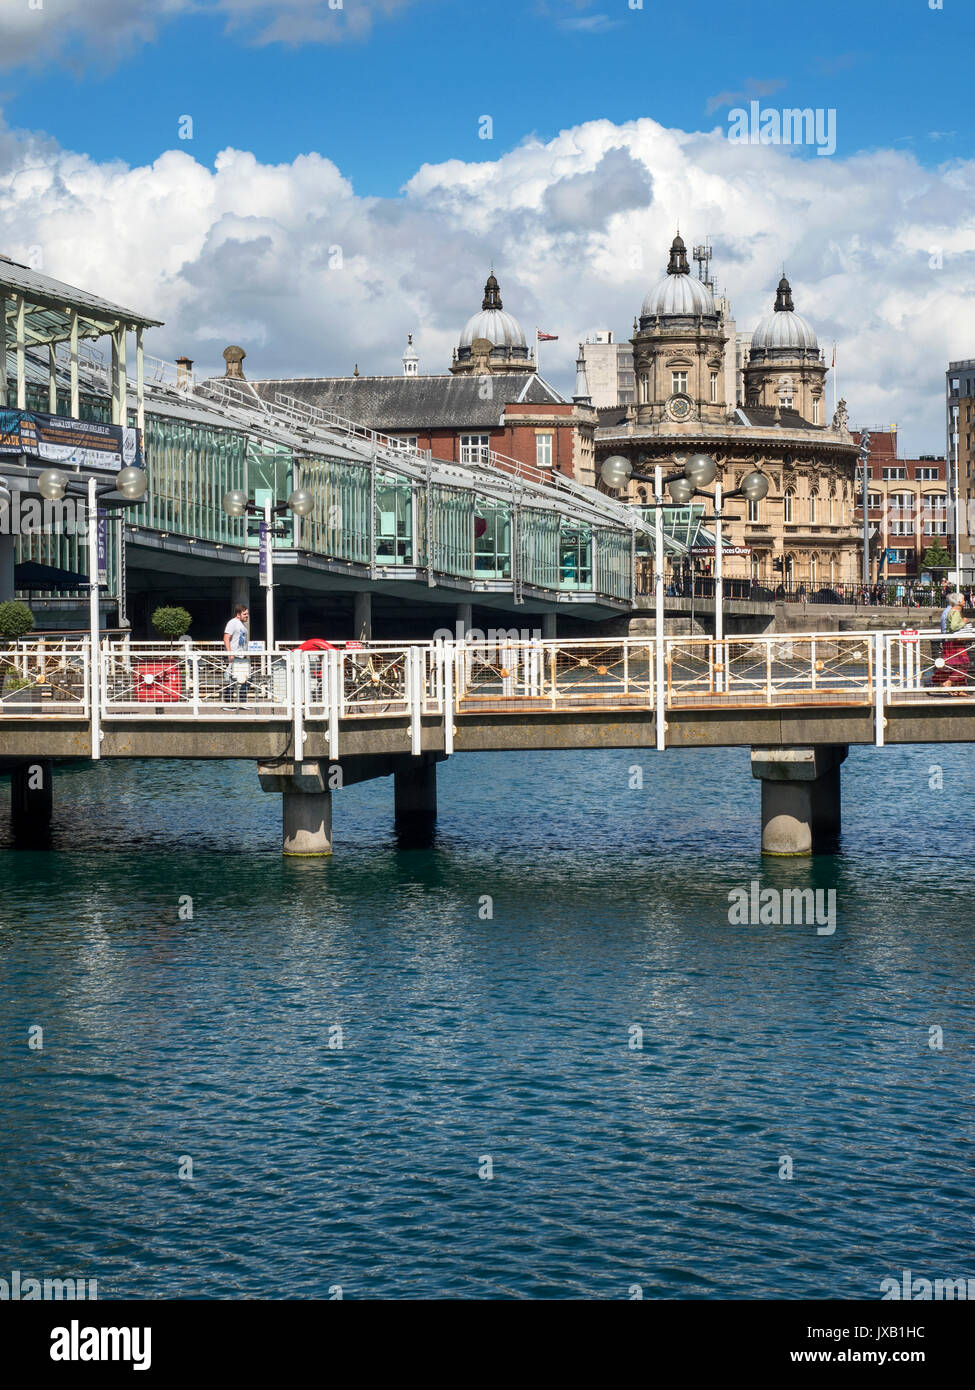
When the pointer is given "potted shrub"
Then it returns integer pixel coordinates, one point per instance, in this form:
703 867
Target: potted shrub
161 682
16 620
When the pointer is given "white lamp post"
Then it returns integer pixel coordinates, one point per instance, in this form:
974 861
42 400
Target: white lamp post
131 484
300 503
616 472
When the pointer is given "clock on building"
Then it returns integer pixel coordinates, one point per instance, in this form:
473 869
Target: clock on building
679 406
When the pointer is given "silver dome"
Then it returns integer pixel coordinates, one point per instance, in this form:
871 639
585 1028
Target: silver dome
679 295
496 325
781 330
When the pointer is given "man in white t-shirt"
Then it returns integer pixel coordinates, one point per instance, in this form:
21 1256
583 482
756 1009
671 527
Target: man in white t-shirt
235 643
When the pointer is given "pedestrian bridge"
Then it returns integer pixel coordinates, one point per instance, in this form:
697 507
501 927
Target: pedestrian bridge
317 721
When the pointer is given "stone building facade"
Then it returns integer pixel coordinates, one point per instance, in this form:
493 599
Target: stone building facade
805 530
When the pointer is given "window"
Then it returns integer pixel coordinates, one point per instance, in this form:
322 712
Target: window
644 387
832 501
815 412
893 474
575 556
714 387
812 509
403 441
475 448
875 500
543 450
926 475
679 380
790 498
753 511
813 571
900 557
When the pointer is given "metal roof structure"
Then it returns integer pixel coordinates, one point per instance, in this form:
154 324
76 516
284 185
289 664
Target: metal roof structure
50 306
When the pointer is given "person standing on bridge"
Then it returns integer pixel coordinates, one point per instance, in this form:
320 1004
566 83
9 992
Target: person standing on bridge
235 645
955 667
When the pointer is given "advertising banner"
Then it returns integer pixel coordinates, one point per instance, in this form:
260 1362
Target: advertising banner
725 550
77 443
263 567
101 569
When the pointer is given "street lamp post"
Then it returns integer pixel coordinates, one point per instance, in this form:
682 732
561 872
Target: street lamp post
616 472
130 486
236 504
865 496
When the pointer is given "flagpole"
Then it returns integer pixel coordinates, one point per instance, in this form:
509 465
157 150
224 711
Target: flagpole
834 378
538 370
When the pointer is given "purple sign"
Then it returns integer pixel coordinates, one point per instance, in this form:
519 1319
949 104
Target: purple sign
101 566
264 567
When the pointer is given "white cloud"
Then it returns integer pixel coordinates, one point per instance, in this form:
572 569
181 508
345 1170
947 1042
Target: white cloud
577 229
105 30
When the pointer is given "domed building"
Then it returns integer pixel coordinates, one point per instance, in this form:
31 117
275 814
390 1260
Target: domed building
686 364
492 341
785 366
678 348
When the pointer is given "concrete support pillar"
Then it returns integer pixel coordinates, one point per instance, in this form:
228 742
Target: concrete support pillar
240 592
800 797
362 618
550 623
306 821
289 628
415 799
31 798
306 806
6 568
464 619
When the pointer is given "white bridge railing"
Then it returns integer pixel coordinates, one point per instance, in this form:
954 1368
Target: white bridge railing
408 682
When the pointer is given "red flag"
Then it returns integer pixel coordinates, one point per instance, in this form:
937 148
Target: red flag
546 337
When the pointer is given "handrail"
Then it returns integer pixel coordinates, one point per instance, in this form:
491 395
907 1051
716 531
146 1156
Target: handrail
415 681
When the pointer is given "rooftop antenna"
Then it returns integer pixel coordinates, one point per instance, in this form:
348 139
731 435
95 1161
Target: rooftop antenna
703 254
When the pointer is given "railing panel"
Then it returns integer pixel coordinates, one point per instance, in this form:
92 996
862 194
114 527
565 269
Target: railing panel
45 679
194 684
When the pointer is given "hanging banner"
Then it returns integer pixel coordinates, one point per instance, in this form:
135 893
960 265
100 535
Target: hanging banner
725 550
77 443
263 566
101 567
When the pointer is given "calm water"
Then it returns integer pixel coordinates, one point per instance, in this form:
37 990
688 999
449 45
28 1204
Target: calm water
466 1038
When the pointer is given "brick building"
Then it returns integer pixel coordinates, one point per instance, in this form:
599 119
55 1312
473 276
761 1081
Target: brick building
907 506
492 405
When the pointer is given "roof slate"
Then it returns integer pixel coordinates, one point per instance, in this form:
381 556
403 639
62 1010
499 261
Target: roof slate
420 402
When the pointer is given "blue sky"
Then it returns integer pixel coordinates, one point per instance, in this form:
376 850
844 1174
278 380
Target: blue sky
410 91
358 129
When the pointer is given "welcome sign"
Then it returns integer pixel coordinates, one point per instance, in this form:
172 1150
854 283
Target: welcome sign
77 443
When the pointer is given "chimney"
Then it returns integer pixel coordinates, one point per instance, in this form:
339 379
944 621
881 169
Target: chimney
184 373
234 358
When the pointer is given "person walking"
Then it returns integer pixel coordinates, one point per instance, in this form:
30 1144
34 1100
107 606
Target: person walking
235 645
954 671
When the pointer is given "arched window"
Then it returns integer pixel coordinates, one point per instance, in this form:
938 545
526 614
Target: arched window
812 509
789 507
644 387
815 418
753 511
813 571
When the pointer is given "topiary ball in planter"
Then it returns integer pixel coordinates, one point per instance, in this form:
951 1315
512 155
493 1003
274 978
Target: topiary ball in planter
171 623
16 620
